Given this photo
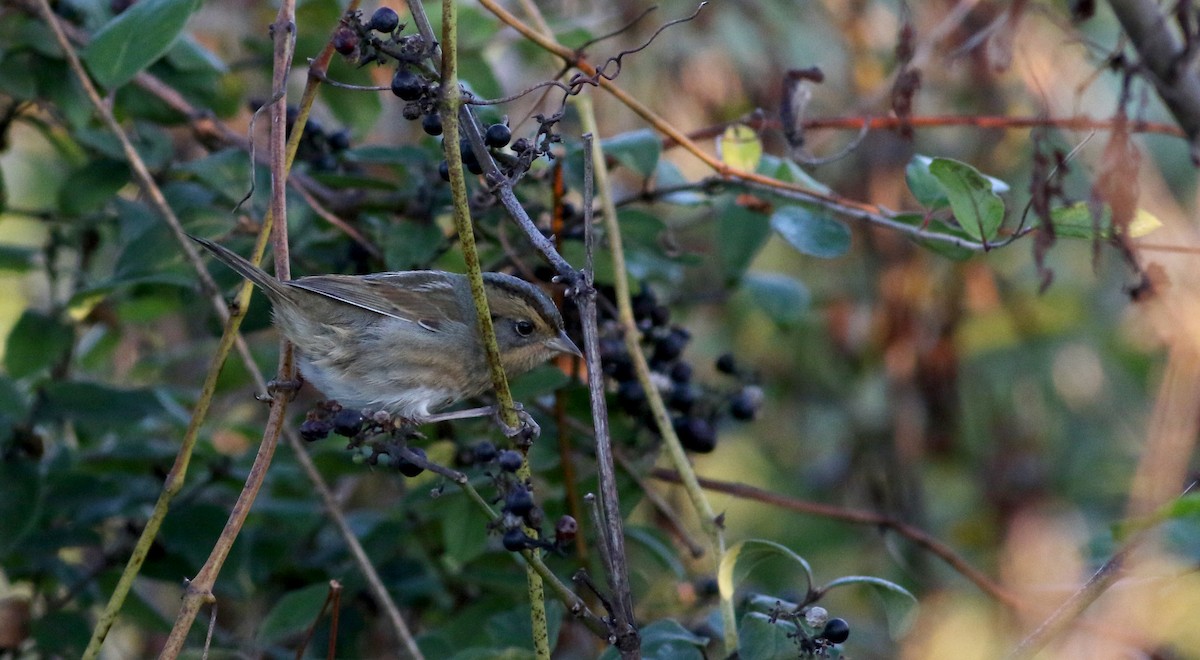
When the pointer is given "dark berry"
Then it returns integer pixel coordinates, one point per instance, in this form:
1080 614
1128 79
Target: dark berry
409 468
340 141
497 136
707 587
695 434
660 316
509 460
468 158
521 145
485 452
411 112
348 422
344 41
669 348
836 631
612 348
519 501
407 85
631 397
682 398
743 406
472 165
432 124
681 372
726 364
444 170
565 530
516 540
644 303
315 429
325 163
385 19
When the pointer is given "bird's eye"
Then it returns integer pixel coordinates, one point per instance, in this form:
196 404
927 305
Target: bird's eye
523 328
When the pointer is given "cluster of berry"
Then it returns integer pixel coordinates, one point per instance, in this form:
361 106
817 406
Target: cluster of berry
418 87
696 408
520 510
375 437
378 440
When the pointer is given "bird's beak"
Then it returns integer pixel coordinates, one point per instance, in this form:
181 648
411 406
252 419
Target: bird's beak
563 344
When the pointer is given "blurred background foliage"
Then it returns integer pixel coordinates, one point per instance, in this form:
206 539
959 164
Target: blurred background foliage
953 395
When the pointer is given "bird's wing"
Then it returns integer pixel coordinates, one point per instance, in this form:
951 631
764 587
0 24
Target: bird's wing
426 298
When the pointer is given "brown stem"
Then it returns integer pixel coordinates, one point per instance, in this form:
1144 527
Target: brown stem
858 517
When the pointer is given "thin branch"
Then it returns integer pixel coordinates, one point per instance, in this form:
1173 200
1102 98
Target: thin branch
611 540
859 517
450 111
998 122
1072 607
632 338
199 590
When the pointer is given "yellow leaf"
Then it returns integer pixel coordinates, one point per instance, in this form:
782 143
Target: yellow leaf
740 148
1143 223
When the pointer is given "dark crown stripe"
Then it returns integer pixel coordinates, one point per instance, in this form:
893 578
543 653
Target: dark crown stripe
527 292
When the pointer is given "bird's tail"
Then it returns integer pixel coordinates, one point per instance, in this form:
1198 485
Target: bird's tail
267 282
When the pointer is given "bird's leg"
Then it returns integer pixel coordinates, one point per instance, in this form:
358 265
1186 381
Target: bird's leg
469 413
526 430
290 387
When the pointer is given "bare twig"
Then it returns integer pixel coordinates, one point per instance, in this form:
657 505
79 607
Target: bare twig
199 590
612 534
333 599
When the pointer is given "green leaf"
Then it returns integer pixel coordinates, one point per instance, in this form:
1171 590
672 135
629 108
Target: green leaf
667 640
740 148
17 78
741 233
512 628
36 342
293 614
21 489
741 559
637 150
539 381
462 523
88 188
811 233
784 299
787 170
412 245
63 633
356 110
98 405
762 639
189 55
135 39
658 548
1075 221
1186 506
899 604
978 209
16 258
938 226
929 191
667 175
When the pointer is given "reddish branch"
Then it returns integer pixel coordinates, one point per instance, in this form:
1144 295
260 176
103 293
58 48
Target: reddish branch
946 121
858 517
